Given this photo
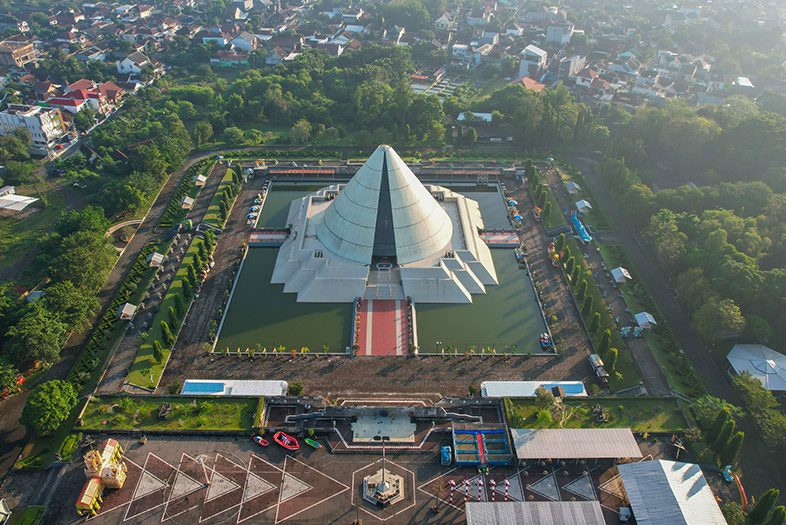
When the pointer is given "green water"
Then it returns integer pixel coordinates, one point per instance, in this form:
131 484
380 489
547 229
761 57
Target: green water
507 315
262 314
276 208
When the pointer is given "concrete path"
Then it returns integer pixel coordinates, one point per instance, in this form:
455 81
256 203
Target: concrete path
760 473
382 329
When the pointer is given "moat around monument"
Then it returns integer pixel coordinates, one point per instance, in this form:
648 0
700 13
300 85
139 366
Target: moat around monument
260 315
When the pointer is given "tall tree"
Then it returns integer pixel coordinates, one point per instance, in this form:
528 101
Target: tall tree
49 406
764 507
37 336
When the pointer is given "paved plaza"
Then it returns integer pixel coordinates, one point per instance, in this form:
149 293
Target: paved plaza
231 480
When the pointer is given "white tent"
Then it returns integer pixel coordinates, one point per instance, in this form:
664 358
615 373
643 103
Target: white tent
763 363
126 312
572 187
200 180
155 259
583 206
645 320
620 274
187 203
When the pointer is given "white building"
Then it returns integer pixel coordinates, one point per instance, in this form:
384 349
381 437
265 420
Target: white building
45 125
445 22
560 34
533 61
133 63
384 235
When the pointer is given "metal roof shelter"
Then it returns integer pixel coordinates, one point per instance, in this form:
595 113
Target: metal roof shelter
583 206
574 443
221 387
155 259
535 513
620 274
528 388
126 312
645 320
763 363
9 200
669 492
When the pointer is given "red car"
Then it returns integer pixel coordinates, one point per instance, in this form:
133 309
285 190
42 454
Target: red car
259 440
286 441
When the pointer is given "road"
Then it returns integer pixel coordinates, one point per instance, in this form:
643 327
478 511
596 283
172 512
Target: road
760 473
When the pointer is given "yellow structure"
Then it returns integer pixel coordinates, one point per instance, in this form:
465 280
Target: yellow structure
89 501
104 468
107 464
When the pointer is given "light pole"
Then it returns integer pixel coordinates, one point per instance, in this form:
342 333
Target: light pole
383 439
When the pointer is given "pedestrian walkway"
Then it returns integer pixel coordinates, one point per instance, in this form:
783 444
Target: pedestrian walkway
382 329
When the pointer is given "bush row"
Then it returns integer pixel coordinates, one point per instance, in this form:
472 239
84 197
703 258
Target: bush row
174 211
97 346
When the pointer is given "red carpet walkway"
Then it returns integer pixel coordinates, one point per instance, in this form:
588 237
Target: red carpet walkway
383 327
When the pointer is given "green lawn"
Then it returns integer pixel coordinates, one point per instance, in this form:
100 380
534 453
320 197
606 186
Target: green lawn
145 370
188 413
212 216
30 515
19 237
638 414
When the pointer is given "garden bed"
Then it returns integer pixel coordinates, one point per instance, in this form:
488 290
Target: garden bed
638 414
213 216
175 212
146 371
186 413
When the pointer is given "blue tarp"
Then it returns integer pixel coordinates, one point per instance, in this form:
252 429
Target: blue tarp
581 231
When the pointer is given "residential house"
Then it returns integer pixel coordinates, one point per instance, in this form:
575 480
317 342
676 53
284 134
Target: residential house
245 5
569 66
45 125
18 54
533 61
544 16
93 53
514 30
245 41
531 84
133 64
351 16
445 22
479 16
585 77
111 92
276 56
45 90
224 58
629 67
559 34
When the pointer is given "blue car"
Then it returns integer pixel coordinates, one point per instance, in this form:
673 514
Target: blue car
446 455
